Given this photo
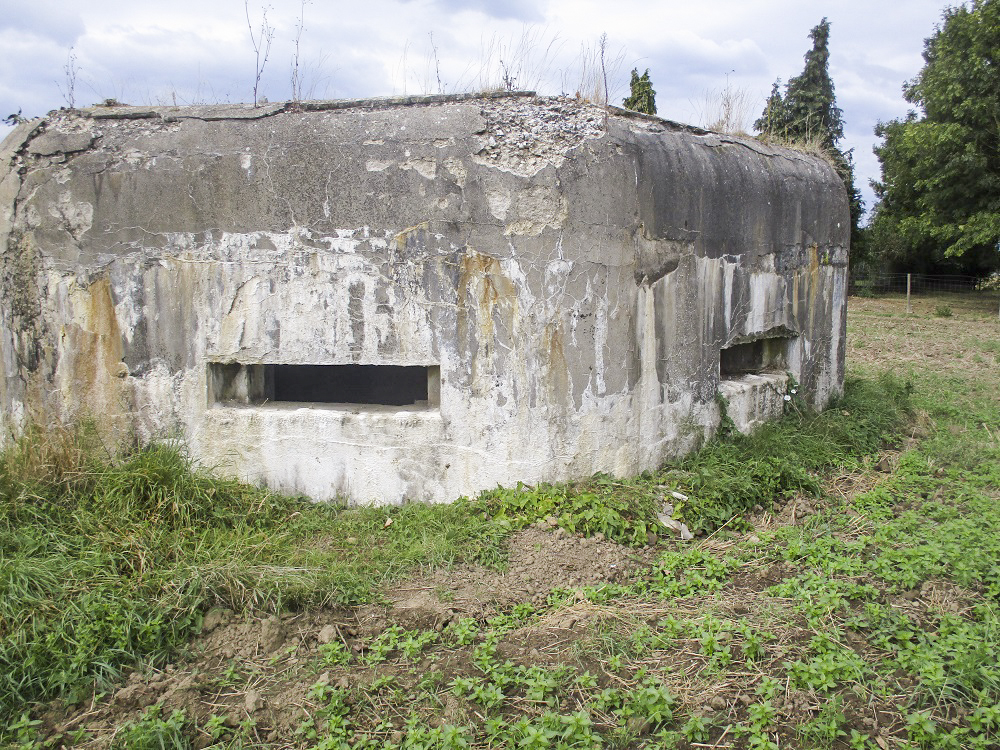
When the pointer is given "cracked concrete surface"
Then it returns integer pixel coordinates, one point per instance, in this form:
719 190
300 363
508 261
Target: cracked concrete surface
574 272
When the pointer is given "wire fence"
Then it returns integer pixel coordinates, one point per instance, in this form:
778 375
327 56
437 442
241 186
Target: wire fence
919 283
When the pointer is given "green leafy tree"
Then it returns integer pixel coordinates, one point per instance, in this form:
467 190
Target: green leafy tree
642 97
808 114
939 196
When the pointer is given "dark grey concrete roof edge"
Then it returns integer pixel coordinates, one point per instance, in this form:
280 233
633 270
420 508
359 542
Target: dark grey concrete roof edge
15 141
763 147
397 101
244 111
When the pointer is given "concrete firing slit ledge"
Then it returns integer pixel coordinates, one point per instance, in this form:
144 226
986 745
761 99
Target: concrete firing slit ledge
323 407
754 398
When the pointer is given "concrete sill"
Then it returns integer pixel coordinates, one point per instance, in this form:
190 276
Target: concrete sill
297 407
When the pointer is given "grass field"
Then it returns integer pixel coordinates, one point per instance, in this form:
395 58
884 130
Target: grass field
841 591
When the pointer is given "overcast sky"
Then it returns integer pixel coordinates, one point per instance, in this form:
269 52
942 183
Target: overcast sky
192 51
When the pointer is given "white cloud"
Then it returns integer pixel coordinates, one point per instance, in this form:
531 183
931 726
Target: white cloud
47 19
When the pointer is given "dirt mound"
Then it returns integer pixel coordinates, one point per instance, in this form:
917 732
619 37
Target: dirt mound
541 559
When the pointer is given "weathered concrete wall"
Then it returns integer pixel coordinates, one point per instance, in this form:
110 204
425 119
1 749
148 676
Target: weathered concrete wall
573 272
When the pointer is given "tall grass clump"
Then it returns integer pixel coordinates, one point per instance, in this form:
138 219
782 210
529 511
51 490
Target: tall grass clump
726 110
97 559
109 562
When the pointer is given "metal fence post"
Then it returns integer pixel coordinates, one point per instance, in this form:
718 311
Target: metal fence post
908 309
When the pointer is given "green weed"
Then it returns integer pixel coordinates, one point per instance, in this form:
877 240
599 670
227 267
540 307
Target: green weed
153 732
827 727
619 509
334 654
652 704
463 632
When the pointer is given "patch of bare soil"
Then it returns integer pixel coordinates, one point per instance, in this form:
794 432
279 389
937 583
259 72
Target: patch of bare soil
541 558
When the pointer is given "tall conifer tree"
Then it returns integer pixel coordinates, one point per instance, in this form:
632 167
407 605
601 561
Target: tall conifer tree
642 97
808 114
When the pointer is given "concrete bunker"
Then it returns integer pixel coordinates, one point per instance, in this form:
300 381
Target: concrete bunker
414 298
